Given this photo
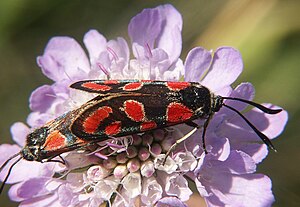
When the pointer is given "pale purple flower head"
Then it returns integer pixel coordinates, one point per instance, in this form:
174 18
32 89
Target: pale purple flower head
125 171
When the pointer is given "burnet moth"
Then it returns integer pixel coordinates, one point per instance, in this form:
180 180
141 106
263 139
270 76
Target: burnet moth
127 107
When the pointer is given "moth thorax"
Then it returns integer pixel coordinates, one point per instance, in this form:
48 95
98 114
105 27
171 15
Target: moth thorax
30 153
217 103
37 137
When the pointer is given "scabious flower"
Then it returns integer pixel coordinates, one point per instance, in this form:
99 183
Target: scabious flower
129 171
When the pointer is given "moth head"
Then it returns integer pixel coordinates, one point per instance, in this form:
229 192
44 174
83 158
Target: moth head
34 141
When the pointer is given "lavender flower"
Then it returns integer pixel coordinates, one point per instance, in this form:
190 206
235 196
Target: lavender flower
129 171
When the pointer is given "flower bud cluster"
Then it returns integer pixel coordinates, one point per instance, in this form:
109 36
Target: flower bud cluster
139 156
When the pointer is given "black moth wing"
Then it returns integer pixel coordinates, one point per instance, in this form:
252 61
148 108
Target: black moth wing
93 129
110 116
102 87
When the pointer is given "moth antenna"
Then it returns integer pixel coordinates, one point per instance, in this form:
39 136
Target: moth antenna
10 169
259 106
263 137
7 161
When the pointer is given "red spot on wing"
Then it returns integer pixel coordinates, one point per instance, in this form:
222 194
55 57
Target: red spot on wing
91 123
96 86
133 86
148 125
114 128
111 82
177 86
134 110
55 140
177 112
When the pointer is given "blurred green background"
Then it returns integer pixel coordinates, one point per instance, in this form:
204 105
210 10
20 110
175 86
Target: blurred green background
267 33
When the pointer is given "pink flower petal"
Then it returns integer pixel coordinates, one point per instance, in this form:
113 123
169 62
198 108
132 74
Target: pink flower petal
50 200
13 192
64 59
37 119
196 64
42 98
246 190
66 196
118 49
177 185
161 25
170 202
95 44
270 125
7 151
244 91
19 132
225 68
277 122
33 187
170 36
28 169
150 22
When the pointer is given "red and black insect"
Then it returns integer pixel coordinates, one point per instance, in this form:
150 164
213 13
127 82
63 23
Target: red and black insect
125 108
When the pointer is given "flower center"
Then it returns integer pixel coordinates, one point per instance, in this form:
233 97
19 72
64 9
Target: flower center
139 155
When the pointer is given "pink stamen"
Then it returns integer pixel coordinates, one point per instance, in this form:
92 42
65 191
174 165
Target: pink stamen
113 53
104 70
115 145
102 156
147 47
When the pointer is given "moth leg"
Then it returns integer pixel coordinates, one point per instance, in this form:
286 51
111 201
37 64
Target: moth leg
62 161
204 132
192 124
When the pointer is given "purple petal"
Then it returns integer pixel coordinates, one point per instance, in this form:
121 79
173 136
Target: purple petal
170 37
95 43
225 68
13 192
170 202
36 119
239 162
277 122
7 151
19 131
145 27
161 25
225 91
64 59
174 72
201 189
228 182
30 170
24 169
160 62
50 200
66 196
270 125
33 187
177 186
42 98
243 91
196 64
246 141
246 190
118 49
258 152
219 146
